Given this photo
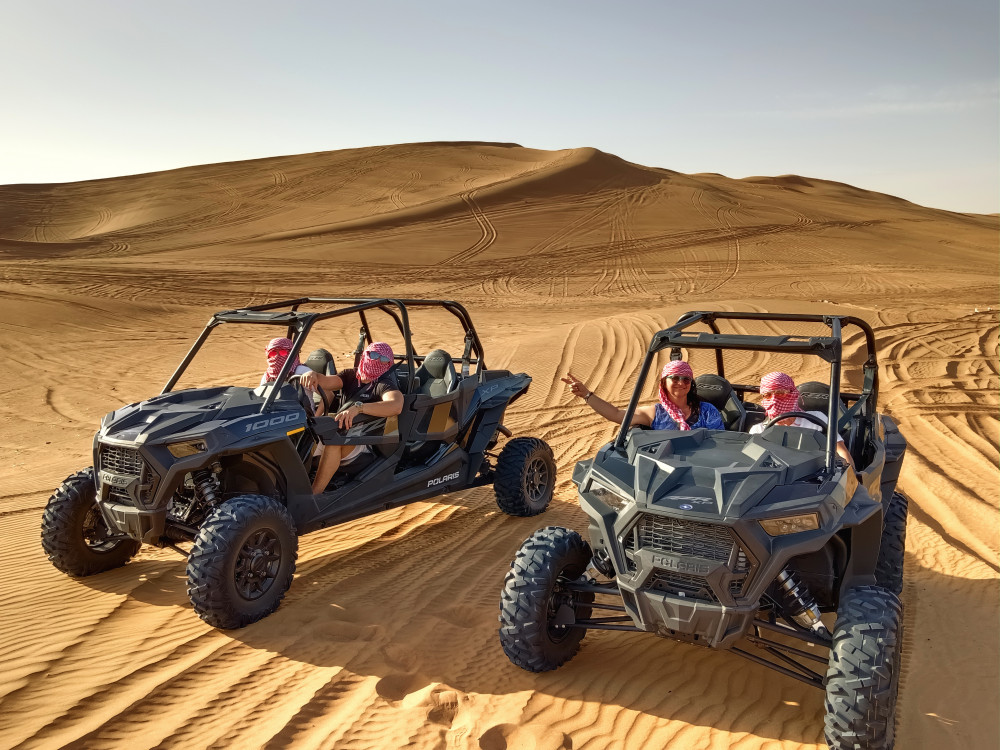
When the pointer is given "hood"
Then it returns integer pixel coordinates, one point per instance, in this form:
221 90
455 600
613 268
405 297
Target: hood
714 474
188 413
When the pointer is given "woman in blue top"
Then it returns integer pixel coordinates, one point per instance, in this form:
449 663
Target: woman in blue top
679 407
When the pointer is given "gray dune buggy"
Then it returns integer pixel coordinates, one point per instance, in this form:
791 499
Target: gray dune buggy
228 469
728 540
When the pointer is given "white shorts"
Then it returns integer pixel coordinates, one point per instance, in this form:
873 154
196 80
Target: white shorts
359 450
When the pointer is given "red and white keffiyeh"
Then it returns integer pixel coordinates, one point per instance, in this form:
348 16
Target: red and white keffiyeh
275 360
676 367
778 394
375 361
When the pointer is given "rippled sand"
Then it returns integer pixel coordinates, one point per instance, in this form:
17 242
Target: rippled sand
567 260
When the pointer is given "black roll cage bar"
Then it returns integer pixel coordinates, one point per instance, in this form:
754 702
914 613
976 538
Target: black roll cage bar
298 324
829 348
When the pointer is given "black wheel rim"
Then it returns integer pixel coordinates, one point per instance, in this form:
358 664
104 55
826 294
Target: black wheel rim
257 564
560 596
95 531
536 479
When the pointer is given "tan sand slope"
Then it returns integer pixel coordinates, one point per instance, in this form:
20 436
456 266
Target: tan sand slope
566 259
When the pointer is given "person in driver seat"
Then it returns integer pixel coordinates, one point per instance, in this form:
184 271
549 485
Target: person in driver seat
779 395
372 389
277 352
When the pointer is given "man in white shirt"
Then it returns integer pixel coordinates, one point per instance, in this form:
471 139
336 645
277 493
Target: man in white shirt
780 396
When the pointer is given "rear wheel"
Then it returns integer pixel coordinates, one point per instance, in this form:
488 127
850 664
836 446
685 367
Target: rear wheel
536 607
242 561
74 534
889 569
863 674
525 477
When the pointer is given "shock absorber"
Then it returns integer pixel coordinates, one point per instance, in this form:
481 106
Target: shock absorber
206 484
800 603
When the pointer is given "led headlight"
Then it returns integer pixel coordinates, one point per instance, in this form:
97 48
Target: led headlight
608 496
187 448
790 524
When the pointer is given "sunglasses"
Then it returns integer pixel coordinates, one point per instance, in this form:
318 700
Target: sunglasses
682 379
278 353
378 357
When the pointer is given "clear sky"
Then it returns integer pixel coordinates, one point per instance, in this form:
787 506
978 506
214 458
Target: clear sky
899 96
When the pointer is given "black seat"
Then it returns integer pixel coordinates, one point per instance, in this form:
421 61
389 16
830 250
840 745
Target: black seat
815 396
718 391
436 376
321 362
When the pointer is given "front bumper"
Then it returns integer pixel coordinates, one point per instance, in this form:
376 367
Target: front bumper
698 622
126 488
141 525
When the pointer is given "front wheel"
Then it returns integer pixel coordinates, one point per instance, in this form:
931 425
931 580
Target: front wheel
525 477
242 561
863 674
74 534
536 607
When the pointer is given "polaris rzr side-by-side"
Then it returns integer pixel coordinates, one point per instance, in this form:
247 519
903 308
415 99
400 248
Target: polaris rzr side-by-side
739 541
228 469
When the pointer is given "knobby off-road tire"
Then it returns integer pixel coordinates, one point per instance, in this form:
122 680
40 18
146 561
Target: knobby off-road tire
242 561
889 569
74 532
533 593
525 477
863 673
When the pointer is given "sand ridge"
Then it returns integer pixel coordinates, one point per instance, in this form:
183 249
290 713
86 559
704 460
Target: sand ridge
567 260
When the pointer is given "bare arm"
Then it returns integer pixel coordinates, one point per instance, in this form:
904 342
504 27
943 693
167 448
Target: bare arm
609 411
326 382
844 453
390 405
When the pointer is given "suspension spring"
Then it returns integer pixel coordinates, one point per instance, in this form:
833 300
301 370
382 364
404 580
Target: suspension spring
799 601
206 484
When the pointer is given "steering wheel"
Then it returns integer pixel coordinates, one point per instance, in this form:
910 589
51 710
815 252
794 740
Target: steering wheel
805 415
322 393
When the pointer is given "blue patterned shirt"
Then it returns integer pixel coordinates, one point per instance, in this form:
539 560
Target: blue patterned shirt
708 417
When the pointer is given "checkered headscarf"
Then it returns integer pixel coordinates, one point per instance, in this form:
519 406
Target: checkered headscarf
275 360
778 405
370 370
675 367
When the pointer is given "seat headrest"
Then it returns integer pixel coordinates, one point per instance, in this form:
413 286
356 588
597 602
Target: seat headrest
318 360
436 363
814 396
714 389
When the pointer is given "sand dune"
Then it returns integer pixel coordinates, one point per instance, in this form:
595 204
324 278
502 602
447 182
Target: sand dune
567 260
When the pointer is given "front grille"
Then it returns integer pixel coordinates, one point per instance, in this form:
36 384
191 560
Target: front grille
682 584
122 461
119 460
677 536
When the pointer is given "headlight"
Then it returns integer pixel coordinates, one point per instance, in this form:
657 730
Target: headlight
608 496
188 448
790 524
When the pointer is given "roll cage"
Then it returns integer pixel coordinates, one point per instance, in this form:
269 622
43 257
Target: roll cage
298 324
829 348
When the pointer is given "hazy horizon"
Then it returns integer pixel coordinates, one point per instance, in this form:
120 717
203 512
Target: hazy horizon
899 98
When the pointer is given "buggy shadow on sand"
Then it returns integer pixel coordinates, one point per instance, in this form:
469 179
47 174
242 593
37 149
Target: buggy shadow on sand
229 468
735 541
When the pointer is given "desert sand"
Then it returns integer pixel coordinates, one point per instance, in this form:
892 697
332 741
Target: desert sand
567 260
